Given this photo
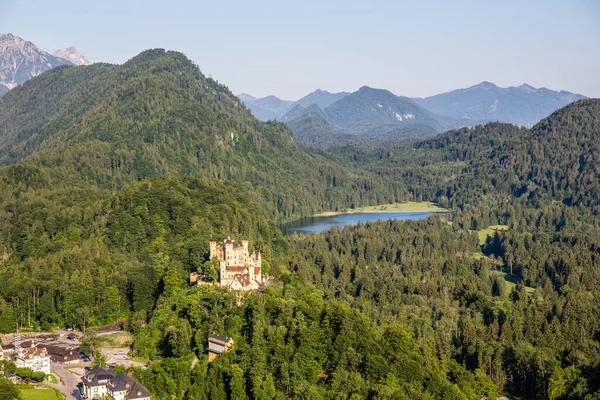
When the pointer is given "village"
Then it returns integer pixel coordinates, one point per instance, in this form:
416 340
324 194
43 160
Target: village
56 362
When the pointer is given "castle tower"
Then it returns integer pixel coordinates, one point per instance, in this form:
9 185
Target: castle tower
213 249
245 245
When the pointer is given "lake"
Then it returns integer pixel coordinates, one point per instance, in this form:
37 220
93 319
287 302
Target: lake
319 224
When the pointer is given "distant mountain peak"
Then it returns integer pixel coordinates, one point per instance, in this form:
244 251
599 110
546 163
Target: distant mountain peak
322 98
522 105
246 97
21 60
485 85
71 54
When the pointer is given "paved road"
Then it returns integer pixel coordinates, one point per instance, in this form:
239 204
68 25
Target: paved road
69 389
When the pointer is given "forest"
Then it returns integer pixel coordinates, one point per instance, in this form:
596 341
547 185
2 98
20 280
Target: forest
114 178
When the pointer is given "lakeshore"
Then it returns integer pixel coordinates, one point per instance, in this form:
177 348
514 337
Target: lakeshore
411 206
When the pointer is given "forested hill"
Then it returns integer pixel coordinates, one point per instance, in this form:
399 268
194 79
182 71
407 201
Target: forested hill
555 160
110 125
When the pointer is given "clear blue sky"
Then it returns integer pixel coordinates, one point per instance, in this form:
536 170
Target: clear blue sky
290 48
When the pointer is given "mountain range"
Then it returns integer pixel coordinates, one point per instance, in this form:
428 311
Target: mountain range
325 119
522 105
21 60
379 114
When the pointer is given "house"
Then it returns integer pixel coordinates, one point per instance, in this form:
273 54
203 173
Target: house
238 269
217 345
103 382
8 349
63 354
95 382
33 357
124 387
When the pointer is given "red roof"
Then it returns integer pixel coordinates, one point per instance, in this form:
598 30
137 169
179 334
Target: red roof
34 352
236 269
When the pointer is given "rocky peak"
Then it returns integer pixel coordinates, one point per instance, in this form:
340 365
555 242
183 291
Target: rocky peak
71 54
21 60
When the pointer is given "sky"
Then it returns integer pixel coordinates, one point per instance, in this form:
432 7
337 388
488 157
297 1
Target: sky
290 48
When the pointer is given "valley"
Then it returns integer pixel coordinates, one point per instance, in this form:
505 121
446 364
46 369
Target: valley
474 276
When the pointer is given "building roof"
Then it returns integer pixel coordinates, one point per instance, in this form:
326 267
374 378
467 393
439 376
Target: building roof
97 374
236 269
62 350
217 338
32 352
124 383
137 392
243 279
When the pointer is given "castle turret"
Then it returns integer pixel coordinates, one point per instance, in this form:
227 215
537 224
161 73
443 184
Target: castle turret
213 249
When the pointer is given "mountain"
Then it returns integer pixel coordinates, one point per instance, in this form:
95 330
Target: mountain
299 110
321 98
362 117
311 128
522 105
366 110
155 115
266 108
21 60
71 54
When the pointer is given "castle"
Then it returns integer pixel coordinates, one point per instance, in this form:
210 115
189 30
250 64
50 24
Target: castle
238 269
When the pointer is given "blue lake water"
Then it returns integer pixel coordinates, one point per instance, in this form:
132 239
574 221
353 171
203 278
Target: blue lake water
319 224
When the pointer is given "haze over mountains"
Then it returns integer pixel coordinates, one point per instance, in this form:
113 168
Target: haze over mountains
379 114
522 105
21 60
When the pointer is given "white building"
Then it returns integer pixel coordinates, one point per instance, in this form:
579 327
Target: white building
35 358
101 382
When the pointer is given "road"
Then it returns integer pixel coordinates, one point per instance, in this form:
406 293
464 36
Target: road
69 389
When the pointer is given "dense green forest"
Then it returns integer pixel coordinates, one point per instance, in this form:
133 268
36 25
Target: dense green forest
115 177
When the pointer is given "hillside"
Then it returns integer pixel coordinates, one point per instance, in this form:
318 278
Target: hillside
155 115
555 160
522 105
313 130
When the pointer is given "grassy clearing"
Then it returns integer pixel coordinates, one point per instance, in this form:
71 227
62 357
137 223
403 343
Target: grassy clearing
38 394
489 231
116 340
140 360
51 378
512 280
411 206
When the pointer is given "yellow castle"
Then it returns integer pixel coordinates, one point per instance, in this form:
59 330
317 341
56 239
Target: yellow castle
239 270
